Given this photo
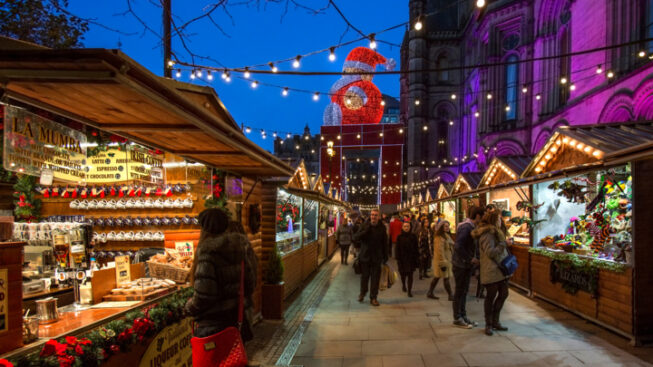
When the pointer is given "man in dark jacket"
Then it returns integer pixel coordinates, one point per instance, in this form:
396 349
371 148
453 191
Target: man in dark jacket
216 275
373 238
465 257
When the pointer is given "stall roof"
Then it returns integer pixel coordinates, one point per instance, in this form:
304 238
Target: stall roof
575 147
471 179
504 169
108 90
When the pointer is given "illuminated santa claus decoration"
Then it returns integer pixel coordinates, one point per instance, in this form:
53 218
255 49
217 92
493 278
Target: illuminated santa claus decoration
354 98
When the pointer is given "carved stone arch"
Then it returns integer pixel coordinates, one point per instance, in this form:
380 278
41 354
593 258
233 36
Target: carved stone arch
548 16
446 176
643 100
508 147
442 106
619 108
541 139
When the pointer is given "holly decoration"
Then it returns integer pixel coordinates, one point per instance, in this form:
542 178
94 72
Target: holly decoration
26 207
117 336
103 140
217 197
285 210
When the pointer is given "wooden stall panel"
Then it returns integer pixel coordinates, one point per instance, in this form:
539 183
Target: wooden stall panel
522 275
331 245
615 302
293 271
309 259
541 285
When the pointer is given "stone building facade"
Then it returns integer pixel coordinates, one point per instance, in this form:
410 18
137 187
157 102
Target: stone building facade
490 83
292 149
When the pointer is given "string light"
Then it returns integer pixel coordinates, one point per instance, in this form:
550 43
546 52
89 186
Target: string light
425 127
295 63
599 69
171 63
246 74
248 130
288 136
538 96
192 74
372 41
524 89
563 80
480 3
610 74
284 92
382 103
489 96
273 67
418 24
572 87
453 96
401 131
209 76
274 134
451 123
178 74
641 53
224 75
417 102
316 96
507 108
254 84
476 114
332 54
198 73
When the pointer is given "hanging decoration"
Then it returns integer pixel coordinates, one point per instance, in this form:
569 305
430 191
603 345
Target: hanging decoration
573 192
287 214
217 197
353 92
27 208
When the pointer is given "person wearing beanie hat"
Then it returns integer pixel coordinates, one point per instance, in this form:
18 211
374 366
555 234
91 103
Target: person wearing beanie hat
354 98
442 252
216 274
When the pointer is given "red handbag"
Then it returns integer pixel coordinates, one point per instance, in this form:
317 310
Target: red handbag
226 348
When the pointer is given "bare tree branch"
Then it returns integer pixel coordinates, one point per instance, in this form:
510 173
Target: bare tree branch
93 21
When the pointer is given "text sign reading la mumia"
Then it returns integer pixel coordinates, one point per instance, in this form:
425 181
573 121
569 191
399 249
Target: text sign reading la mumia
33 143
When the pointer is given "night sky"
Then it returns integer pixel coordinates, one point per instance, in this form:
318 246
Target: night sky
255 34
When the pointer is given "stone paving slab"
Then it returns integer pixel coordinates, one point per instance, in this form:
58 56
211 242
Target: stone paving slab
418 332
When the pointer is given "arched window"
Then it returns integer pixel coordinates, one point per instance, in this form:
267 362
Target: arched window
443 63
512 81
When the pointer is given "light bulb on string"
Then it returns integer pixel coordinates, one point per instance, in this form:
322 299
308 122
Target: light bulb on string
248 129
274 134
418 24
599 69
246 74
273 67
489 96
538 96
425 127
284 92
372 41
477 114
524 89
254 84
288 136
295 63
451 123
316 96
332 54
641 53
572 87
453 96
178 74
563 80
382 103
209 75
480 3
171 63
508 108
610 74
198 73
192 74
417 102
401 131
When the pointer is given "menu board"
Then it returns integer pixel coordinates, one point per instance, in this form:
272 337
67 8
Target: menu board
33 143
123 270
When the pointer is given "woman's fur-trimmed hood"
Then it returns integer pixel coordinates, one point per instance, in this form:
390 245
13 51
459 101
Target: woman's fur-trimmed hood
231 246
483 229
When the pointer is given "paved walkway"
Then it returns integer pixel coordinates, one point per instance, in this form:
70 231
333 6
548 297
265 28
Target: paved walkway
417 331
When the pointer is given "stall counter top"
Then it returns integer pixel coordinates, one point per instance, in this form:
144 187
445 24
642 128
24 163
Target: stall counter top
51 292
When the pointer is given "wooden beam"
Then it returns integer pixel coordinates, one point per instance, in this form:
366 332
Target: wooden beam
207 152
60 76
151 128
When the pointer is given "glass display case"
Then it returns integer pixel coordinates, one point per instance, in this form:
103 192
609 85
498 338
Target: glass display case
288 222
310 223
589 214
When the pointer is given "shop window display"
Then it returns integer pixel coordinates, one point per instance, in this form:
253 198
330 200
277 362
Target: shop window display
449 212
311 212
589 214
288 219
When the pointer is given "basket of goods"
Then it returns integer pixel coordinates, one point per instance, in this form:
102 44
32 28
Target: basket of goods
170 265
140 290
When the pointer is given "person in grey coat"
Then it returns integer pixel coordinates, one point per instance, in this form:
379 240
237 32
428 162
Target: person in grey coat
344 236
215 275
492 249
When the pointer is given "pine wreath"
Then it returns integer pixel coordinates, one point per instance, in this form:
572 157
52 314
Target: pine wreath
283 211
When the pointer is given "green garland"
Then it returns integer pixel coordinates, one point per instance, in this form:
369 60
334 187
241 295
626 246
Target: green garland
27 208
578 262
115 337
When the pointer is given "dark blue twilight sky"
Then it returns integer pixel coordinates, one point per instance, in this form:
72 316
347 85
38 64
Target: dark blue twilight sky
256 35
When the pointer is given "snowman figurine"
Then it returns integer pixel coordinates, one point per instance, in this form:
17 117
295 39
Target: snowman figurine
354 98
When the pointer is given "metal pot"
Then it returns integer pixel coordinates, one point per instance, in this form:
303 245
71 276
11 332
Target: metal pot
46 310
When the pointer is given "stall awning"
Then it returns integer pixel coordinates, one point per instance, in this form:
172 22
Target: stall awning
108 90
504 169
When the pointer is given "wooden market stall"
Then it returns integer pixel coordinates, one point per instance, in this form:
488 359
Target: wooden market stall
291 218
447 205
592 253
177 132
515 199
463 189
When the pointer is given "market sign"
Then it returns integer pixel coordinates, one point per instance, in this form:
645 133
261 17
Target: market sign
123 270
171 347
125 164
574 278
33 143
144 165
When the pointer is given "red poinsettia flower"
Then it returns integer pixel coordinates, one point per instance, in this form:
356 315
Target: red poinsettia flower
71 340
66 361
61 349
79 350
114 348
83 341
49 348
5 363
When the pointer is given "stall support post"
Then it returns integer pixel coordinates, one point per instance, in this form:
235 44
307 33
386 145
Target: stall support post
642 174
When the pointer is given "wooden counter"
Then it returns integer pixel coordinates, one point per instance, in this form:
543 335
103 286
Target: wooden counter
69 321
64 297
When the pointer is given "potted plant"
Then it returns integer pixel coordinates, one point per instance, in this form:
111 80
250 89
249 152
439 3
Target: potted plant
273 287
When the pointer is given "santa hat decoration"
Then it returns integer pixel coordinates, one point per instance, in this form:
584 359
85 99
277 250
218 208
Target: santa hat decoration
112 192
102 192
168 191
74 193
131 192
45 192
158 191
139 191
121 191
66 193
148 190
93 192
55 192
84 193
366 59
